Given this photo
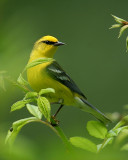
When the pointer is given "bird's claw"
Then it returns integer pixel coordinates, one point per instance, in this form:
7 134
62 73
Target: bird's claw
54 121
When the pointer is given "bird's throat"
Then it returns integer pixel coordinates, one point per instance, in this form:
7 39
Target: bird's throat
37 53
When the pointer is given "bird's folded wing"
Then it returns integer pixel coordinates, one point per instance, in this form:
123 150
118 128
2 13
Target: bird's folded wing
57 73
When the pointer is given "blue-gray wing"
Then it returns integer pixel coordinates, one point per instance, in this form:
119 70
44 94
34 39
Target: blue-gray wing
57 73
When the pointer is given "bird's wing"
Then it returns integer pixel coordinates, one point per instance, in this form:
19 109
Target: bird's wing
57 73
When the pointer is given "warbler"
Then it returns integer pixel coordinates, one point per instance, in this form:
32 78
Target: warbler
51 75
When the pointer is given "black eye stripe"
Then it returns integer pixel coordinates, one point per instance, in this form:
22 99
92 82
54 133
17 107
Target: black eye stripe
49 42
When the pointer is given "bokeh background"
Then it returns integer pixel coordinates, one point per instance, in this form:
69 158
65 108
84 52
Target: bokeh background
93 57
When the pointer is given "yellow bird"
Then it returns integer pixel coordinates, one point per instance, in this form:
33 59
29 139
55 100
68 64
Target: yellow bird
51 75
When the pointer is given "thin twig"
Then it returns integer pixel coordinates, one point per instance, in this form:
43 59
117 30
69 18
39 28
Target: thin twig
102 146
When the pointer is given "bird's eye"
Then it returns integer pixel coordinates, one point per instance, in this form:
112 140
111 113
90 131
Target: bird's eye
48 42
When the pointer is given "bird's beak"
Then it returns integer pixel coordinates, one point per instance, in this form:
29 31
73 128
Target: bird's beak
58 43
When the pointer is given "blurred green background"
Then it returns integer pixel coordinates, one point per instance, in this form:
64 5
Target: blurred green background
93 57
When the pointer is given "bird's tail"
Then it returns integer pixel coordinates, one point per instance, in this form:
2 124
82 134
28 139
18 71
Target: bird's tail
86 106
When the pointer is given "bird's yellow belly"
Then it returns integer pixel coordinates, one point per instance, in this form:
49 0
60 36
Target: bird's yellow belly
39 79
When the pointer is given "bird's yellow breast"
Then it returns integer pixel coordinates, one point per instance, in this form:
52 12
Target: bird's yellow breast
39 79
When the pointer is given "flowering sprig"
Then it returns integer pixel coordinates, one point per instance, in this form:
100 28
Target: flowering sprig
123 24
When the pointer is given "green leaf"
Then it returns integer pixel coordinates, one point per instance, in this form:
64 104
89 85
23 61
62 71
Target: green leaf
22 81
83 143
37 62
16 127
118 20
115 26
31 95
97 129
47 90
34 110
122 30
44 107
20 104
25 89
124 147
127 43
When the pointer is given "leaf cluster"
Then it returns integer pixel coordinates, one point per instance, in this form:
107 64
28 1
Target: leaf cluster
123 24
42 108
100 131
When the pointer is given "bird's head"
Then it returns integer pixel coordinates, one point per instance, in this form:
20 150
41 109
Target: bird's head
46 46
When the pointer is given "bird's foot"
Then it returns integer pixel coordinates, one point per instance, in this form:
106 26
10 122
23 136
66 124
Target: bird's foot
54 121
